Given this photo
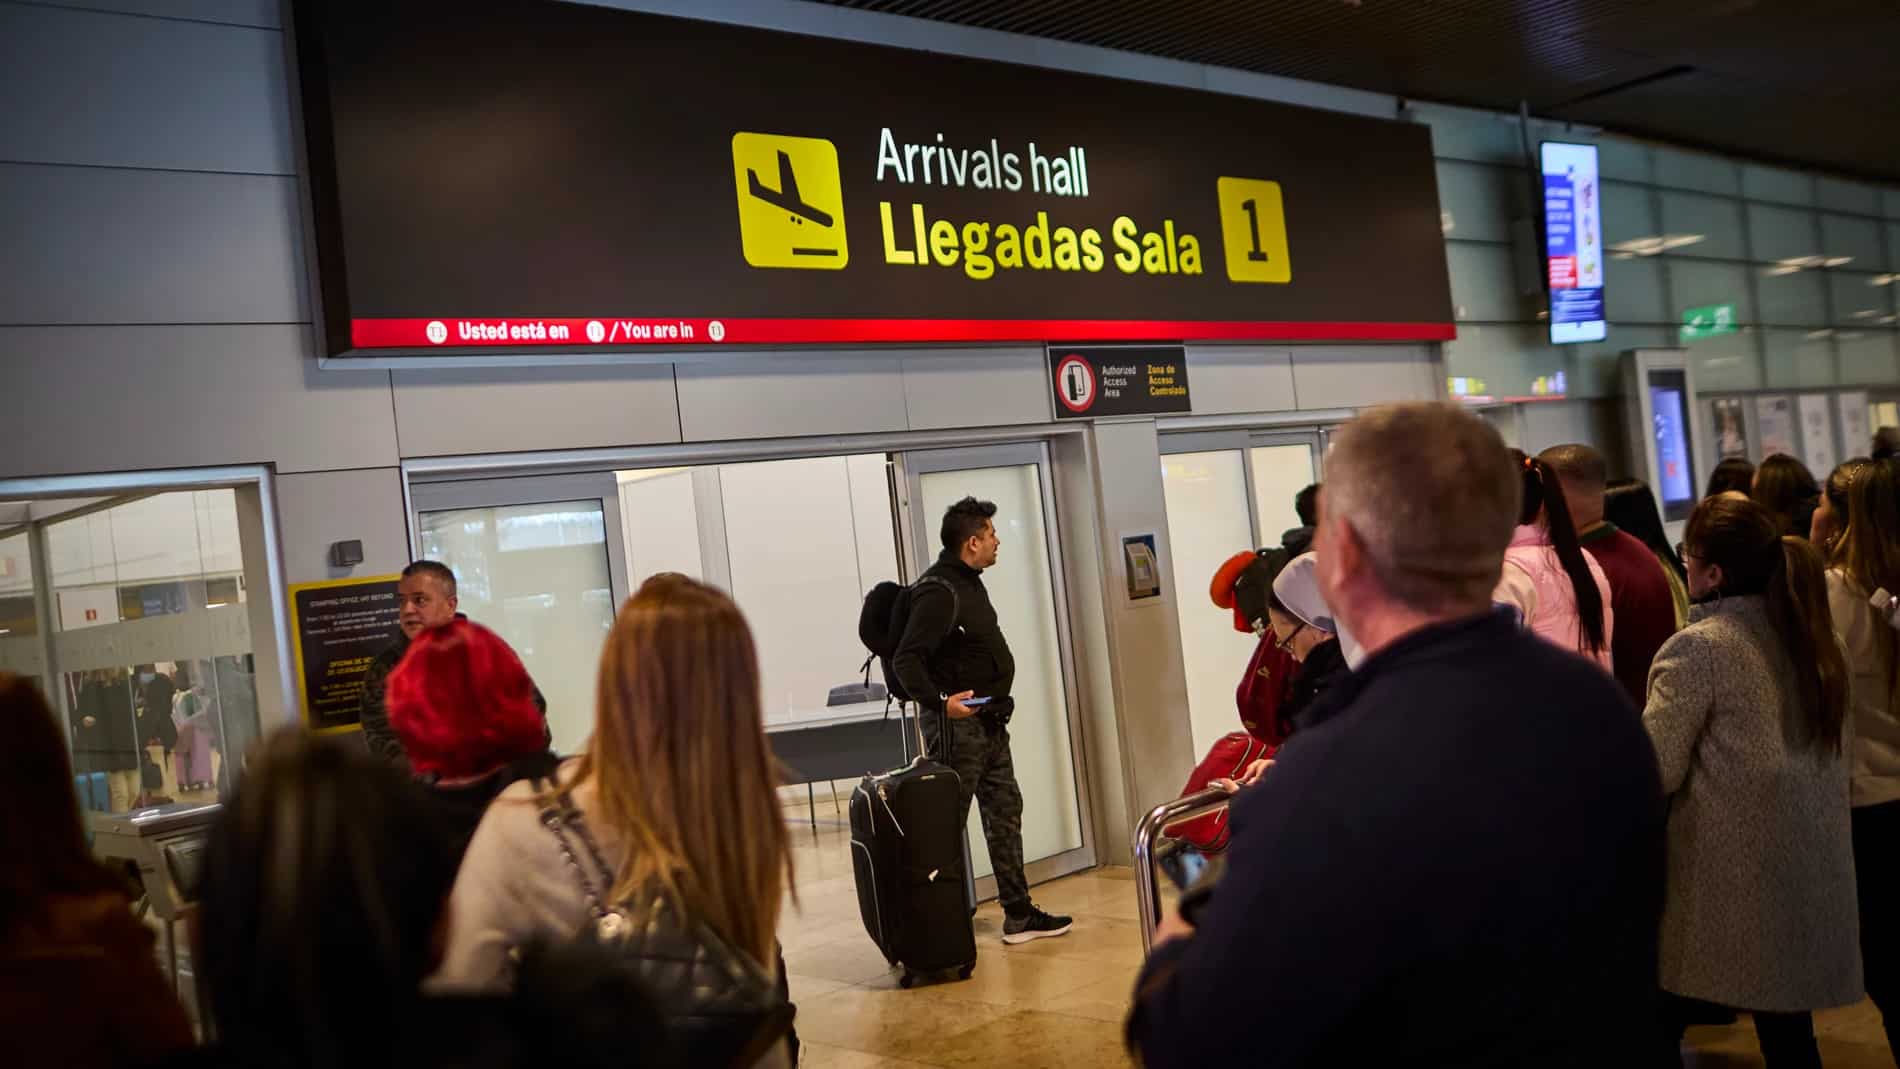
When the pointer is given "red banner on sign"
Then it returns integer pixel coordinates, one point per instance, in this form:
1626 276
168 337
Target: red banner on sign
612 333
1563 272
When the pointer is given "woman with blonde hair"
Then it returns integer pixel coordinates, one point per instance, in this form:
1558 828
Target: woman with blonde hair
670 820
1861 508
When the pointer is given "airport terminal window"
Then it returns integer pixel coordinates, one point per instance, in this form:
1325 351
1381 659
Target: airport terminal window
162 573
20 648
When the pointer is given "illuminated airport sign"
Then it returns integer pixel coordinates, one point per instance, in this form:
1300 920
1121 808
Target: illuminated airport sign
618 180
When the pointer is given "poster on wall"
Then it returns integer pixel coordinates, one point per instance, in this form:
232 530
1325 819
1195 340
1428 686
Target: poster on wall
525 178
1775 416
340 626
1817 434
1855 435
1731 427
1573 242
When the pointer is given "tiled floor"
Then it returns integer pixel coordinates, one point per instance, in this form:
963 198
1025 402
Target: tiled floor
1054 1002
1058 1002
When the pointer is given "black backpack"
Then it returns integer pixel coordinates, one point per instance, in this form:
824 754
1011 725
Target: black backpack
881 626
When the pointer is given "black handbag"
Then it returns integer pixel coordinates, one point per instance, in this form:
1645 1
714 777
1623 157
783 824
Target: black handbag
723 1008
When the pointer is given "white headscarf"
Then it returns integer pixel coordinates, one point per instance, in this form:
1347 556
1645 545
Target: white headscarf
1297 587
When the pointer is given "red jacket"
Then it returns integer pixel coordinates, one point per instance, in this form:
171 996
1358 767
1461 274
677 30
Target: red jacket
1268 681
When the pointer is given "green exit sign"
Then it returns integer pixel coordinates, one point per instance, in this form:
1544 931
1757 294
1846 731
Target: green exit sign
1707 321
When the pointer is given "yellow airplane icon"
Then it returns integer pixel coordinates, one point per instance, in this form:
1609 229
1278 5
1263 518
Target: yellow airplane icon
793 224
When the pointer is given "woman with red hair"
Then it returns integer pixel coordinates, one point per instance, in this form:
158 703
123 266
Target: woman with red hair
464 708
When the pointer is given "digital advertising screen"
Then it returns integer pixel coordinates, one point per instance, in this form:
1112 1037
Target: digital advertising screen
1675 468
1573 242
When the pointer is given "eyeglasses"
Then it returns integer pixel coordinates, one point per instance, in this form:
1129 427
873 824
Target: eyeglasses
1682 552
1285 645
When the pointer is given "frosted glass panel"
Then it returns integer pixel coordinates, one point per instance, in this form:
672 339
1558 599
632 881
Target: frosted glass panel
1797 358
659 518
791 536
1867 357
1021 587
1633 288
1476 202
1629 213
537 576
1782 235
1207 523
1853 239
1798 299
1726 362
1777 184
1861 300
1694 170
1483 282
1715 221
1280 472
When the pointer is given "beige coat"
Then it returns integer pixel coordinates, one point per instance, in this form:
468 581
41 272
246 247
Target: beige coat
1876 728
516 885
1760 911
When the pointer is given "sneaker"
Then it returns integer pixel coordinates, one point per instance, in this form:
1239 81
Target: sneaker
1035 924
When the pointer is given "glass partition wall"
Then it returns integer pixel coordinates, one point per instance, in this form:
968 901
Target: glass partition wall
796 541
1227 492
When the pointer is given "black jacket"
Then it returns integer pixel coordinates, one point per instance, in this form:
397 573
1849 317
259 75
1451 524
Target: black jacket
377 734
1457 864
460 807
943 654
155 712
110 744
1325 665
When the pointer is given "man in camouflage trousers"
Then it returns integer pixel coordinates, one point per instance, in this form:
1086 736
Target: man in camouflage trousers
954 661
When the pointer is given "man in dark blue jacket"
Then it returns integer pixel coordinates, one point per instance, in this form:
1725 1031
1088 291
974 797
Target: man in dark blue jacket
1461 863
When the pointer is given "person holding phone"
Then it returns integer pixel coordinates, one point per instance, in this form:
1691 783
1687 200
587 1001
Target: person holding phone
954 659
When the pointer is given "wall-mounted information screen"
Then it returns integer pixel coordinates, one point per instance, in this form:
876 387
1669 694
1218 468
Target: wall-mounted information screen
537 177
1573 242
1675 465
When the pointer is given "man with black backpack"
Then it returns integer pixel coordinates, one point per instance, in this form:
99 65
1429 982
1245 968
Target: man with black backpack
953 661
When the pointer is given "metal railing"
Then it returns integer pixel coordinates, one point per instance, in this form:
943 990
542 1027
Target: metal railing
1147 886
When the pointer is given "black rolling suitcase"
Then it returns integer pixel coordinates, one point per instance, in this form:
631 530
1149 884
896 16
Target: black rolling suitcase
907 854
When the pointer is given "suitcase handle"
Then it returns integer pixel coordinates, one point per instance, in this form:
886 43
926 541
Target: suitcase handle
1211 799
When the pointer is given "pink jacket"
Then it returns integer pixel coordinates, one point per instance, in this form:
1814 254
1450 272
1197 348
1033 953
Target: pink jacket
1535 583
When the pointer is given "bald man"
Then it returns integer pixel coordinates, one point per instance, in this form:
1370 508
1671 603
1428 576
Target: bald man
1640 598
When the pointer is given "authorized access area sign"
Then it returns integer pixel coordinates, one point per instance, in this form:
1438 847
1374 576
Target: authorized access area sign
1119 380
535 176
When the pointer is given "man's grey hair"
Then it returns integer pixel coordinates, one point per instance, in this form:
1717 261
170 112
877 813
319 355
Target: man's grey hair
1433 495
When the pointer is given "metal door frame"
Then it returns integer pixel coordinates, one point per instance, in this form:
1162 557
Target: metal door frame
915 539
450 495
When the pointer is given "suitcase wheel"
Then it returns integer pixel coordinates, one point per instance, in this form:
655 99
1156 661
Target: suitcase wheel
908 980
965 972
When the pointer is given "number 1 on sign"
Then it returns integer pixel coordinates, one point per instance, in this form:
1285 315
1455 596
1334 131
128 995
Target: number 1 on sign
1253 230
1252 208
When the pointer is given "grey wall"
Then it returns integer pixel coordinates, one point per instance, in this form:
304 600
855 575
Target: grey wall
154 314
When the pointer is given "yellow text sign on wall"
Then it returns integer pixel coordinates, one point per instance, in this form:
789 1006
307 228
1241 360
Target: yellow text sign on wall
1253 229
791 201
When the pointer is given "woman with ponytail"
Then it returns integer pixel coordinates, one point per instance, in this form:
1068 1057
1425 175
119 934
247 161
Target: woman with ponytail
1861 507
1748 713
1558 590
